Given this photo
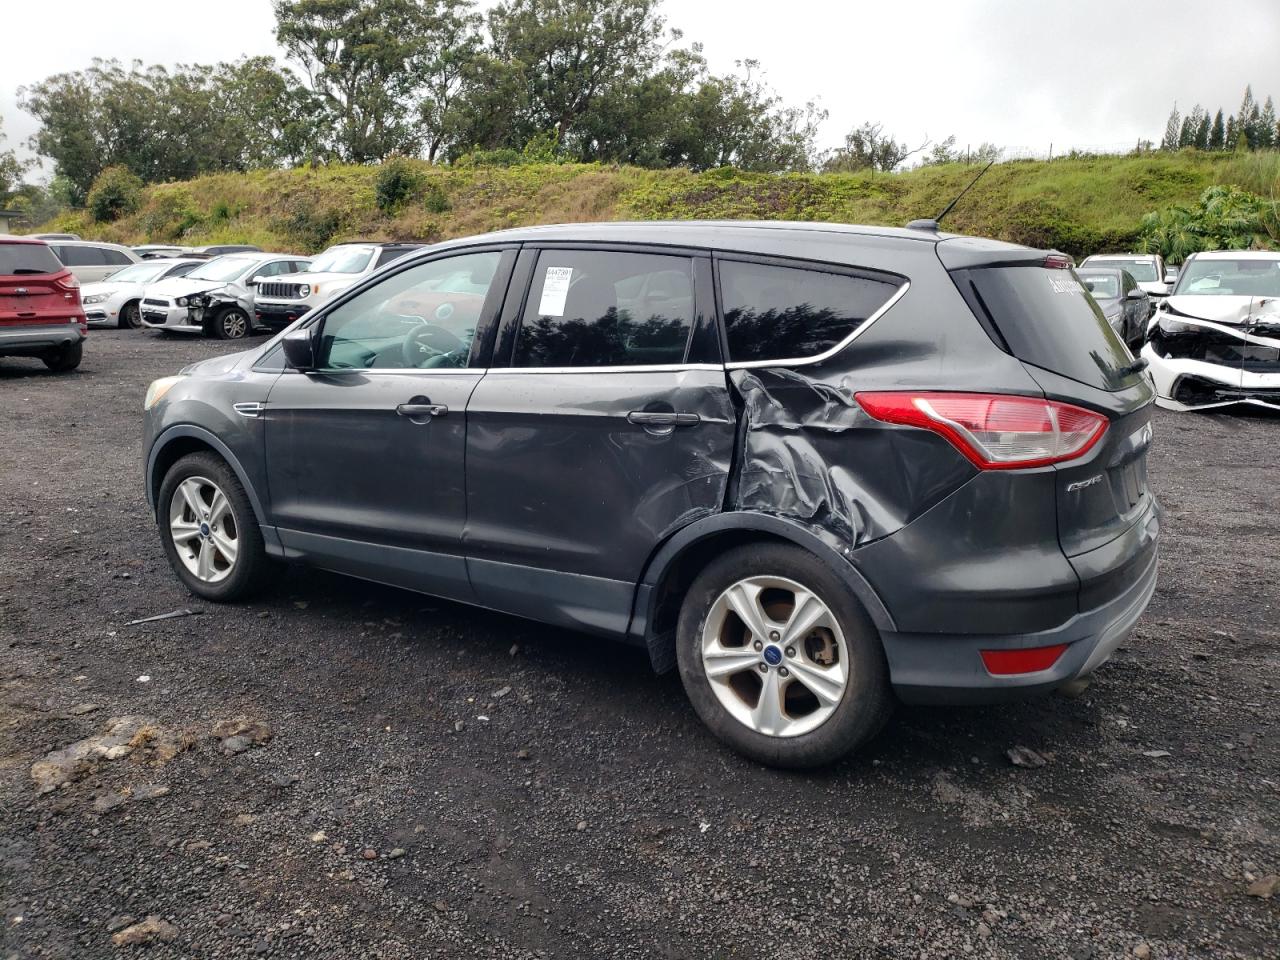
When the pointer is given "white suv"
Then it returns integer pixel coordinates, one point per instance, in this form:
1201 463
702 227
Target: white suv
282 300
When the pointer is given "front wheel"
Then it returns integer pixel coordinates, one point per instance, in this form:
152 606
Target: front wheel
130 316
209 530
231 323
779 659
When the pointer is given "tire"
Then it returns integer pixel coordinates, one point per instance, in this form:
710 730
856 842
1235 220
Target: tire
808 730
66 359
130 316
231 323
223 580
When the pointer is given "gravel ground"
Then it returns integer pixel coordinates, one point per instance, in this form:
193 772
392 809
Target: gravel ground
413 778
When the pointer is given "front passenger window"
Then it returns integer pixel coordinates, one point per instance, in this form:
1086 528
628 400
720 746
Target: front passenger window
424 317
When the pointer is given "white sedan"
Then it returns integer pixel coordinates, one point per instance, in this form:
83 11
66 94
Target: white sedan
115 301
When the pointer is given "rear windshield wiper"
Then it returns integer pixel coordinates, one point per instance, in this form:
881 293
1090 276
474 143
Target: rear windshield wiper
1136 367
25 270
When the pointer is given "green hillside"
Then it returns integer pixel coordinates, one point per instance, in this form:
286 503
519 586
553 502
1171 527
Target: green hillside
1080 205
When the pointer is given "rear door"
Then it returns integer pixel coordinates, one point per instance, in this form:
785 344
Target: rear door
604 426
1044 317
29 292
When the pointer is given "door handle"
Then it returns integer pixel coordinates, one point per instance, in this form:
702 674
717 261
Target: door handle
662 418
422 410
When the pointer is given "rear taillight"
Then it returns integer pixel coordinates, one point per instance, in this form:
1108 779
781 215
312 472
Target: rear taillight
994 431
69 286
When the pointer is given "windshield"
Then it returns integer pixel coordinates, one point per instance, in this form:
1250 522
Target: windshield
17 259
1103 286
223 268
140 273
344 259
1220 277
1144 271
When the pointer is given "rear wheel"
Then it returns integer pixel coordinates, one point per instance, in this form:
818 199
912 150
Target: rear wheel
66 358
209 530
231 323
130 316
779 659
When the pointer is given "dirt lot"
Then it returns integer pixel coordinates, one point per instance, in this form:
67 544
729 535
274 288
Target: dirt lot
420 779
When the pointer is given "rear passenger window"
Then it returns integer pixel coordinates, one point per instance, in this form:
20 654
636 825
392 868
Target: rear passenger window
81 256
784 313
605 309
114 257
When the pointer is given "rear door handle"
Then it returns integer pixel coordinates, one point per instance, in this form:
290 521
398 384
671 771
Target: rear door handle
662 418
422 410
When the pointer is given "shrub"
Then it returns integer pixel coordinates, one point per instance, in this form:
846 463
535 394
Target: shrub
168 215
435 200
115 193
397 181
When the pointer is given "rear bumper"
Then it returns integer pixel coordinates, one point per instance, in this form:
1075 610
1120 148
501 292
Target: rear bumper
948 668
33 341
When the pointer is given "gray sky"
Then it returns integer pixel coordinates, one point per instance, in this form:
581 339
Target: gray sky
1022 74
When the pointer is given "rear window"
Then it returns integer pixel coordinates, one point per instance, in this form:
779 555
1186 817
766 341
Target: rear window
1048 319
791 313
25 258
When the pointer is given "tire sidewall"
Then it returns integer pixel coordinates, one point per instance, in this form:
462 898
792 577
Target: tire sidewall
867 700
131 316
243 578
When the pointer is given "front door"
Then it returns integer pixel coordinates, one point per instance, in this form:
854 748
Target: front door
365 454
604 426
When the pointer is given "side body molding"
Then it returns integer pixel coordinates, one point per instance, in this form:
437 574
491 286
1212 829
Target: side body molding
661 646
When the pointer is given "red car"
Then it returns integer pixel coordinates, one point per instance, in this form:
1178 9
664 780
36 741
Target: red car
40 311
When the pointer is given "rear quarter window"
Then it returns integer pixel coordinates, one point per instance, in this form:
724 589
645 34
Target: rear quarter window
775 313
1047 319
27 258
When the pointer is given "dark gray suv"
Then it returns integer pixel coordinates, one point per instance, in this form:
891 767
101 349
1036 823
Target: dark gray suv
813 466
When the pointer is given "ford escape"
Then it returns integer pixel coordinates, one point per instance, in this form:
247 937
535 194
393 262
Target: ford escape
816 468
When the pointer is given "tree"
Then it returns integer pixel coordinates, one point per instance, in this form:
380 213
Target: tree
12 169
1247 118
1265 134
169 125
563 57
1172 130
868 147
1217 135
362 59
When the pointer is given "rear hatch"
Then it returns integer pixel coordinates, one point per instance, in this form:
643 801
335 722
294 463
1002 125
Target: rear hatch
34 286
1035 308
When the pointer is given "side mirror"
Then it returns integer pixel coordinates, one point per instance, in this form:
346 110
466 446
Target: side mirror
299 349
1137 293
252 282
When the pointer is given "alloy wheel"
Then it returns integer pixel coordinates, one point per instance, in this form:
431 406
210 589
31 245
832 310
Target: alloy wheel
775 656
235 325
203 529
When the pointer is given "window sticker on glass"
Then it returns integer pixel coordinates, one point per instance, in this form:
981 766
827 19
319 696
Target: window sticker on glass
1064 285
555 290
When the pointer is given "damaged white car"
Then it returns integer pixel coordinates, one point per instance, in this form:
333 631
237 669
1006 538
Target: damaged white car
1215 341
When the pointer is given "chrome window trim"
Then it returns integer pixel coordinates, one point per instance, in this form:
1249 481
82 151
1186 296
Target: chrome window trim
826 354
635 368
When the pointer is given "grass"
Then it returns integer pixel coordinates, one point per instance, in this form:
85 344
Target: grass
1077 204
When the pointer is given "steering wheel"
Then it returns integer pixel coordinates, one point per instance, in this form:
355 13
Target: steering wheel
426 341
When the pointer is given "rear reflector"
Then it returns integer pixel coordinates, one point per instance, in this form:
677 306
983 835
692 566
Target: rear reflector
994 431
1003 663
